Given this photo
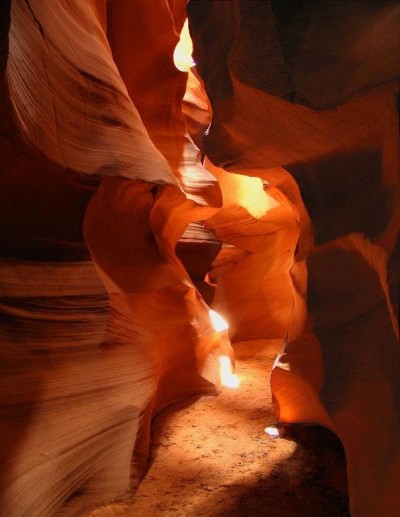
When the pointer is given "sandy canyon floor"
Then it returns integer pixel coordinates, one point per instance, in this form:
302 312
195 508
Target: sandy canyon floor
212 458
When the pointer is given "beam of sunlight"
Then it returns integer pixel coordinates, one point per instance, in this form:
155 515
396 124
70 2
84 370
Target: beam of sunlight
218 321
183 51
228 379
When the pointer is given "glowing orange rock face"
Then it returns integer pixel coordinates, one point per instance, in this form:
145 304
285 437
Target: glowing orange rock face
114 233
98 339
270 84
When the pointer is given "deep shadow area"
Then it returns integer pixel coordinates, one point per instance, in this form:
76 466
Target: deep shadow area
319 488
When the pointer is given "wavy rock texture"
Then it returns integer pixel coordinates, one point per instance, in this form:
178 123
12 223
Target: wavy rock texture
271 80
71 76
113 233
94 341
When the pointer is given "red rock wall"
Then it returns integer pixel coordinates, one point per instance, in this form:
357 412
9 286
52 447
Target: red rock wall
304 96
101 325
113 232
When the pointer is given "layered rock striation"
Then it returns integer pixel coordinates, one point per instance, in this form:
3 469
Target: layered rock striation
116 229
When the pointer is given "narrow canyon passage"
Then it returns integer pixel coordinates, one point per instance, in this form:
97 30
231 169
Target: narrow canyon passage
213 458
164 159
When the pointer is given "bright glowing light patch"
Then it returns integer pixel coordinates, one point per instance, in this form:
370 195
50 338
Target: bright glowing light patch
228 379
218 321
183 51
272 431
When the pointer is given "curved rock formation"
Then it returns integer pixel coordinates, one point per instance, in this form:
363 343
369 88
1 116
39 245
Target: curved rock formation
86 366
114 234
340 362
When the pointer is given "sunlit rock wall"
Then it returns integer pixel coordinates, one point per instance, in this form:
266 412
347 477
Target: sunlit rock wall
304 96
101 324
115 228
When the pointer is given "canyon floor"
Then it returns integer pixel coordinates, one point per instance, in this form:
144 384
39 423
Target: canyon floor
212 458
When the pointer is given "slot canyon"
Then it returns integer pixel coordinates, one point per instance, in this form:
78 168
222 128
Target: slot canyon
187 187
